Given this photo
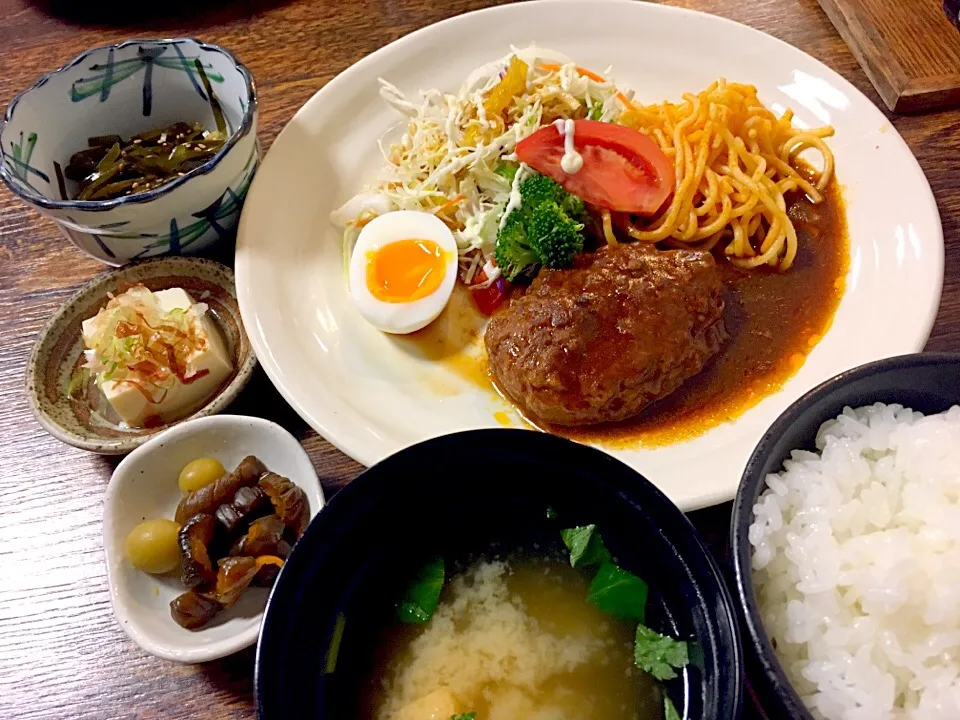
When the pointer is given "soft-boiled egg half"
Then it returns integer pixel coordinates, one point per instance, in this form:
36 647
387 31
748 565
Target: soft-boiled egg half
403 270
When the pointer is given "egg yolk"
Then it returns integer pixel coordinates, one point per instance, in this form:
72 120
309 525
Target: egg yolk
405 270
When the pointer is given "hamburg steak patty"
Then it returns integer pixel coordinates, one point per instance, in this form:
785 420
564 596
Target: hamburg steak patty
623 327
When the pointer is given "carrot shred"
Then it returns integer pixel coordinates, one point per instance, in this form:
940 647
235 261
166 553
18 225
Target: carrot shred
449 203
553 67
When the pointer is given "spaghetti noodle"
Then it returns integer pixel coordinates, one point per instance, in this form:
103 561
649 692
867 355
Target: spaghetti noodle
735 161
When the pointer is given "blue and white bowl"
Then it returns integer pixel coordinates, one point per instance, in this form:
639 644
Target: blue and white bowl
126 89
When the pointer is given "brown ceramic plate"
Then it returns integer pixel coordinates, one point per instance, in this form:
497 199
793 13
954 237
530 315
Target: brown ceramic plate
57 354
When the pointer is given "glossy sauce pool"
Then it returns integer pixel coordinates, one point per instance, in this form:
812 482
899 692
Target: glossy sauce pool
774 320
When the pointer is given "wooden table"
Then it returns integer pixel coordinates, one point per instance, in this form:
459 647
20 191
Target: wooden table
62 655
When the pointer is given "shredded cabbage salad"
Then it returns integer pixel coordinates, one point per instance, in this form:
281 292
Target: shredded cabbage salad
455 158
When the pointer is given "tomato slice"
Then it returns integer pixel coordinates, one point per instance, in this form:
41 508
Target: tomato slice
491 297
623 169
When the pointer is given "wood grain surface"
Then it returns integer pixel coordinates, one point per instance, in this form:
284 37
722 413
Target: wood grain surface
62 655
908 48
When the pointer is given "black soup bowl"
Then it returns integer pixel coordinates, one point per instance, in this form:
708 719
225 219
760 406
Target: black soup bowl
927 382
461 496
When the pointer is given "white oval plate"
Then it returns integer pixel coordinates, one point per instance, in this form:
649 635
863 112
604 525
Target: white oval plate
144 487
368 396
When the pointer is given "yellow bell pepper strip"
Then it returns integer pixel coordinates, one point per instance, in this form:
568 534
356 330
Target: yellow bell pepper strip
512 84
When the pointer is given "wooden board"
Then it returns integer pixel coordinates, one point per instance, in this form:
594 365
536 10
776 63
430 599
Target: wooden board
909 49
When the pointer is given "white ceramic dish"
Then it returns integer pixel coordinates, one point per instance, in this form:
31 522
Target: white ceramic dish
370 396
144 487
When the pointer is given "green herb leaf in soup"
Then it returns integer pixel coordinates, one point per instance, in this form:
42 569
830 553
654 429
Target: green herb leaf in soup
466 716
658 654
669 710
422 596
619 593
334 648
586 546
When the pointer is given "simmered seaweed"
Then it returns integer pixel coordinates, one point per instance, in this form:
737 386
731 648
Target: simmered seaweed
112 167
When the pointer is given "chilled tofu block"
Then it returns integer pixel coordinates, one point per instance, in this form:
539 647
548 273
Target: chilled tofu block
207 366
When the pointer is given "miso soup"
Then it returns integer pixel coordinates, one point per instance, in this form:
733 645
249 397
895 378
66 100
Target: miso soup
512 639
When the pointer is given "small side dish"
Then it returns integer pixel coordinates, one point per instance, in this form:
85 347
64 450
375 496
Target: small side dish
139 349
187 113
530 635
231 530
154 356
159 477
856 559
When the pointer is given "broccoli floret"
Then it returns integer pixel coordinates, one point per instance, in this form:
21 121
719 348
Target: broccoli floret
555 237
513 253
573 206
543 230
539 189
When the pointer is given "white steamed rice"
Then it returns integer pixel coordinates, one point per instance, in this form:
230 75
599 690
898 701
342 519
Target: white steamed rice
856 560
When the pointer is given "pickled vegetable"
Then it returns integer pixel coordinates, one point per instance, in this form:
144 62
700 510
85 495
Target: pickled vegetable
196 567
289 501
152 546
112 167
266 576
233 577
268 569
248 504
208 498
264 537
200 473
192 610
